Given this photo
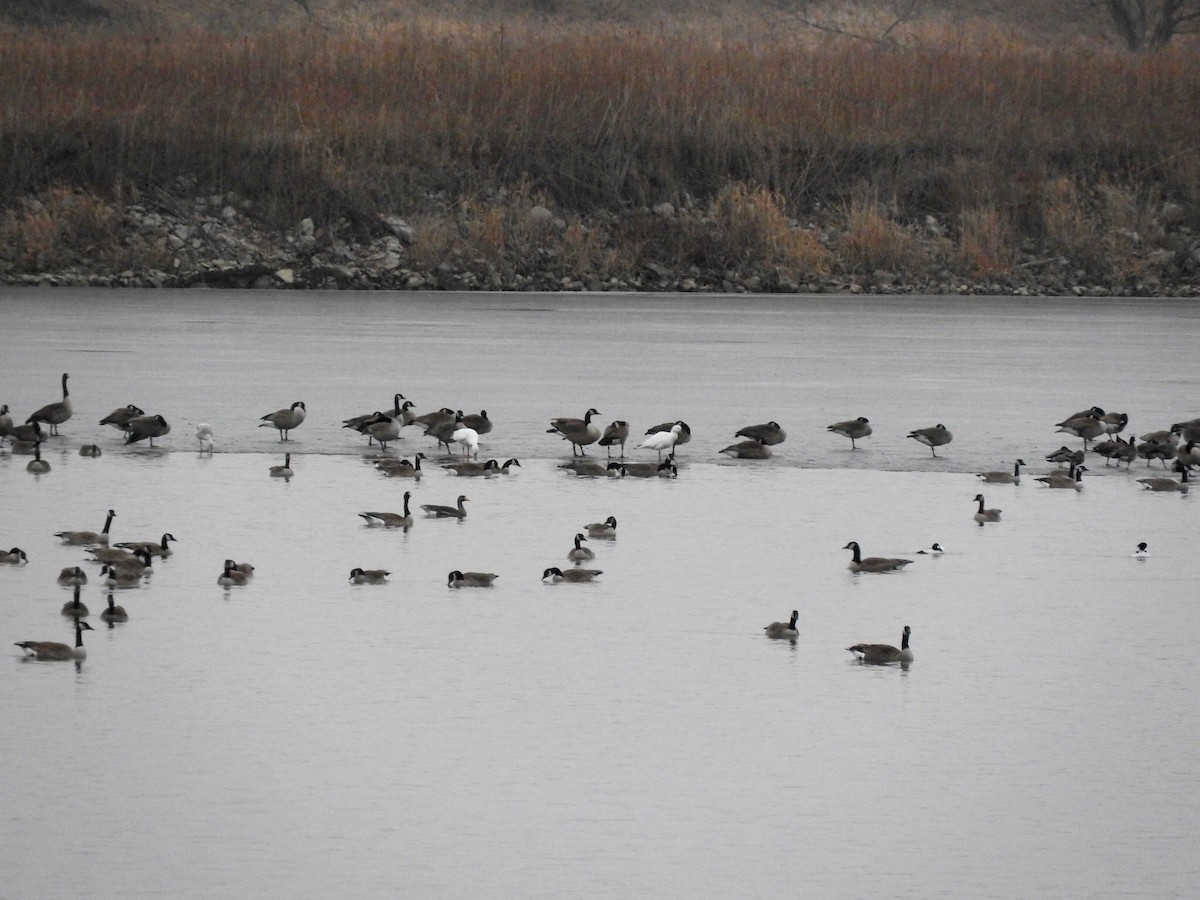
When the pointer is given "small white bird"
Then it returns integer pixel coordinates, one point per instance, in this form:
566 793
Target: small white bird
204 434
933 550
468 439
662 440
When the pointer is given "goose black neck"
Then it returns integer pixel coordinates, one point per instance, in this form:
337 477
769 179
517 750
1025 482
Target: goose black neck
904 641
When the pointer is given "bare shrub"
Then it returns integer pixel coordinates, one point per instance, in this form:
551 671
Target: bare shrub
872 240
985 241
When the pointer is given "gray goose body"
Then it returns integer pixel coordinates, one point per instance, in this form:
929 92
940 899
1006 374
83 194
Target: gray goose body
446 512
580 432
769 433
75 607
369 576
615 434
13 557
579 553
37 465
53 650
398 468
573 576
54 414
937 436
6 424
146 428
86 538
112 612
784 630
885 653
284 420
1072 480
859 563
91 451
473 469
1013 477
1167 484
983 516
161 547
231 576
391 519
751 449
605 529
855 429
120 417
72 577
284 471
458 579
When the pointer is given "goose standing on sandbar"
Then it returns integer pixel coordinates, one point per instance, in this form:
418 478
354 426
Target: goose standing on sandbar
855 429
285 419
579 432
120 417
769 433
142 428
616 433
54 414
937 436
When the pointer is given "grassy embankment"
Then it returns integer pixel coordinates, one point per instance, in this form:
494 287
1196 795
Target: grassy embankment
813 160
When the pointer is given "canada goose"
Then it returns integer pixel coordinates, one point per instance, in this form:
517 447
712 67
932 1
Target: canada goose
119 417
380 427
433 420
479 423
578 553
53 650
459 579
138 563
245 568
662 440
1063 455
873 563
1189 430
446 512
467 438
985 515
685 433
399 412
780 630
932 550
555 574
768 433
1094 412
6 424
284 471
1072 480
285 419
605 529
369 576
1150 450
13 557
590 468
1142 551
391 519
204 436
37 465
90 450
232 577
1189 454
885 653
1003 477
109 554
854 429
84 538
119 578
578 431
30 432
112 612
54 414
1087 427
667 470
937 436
393 468
616 433
509 465
1168 484
473 469
72 576
1122 451
75 606
752 449
142 428
1114 423
161 547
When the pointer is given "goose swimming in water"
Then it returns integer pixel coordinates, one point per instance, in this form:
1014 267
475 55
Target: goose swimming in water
575 576
605 529
885 653
1167 484
75 606
37 465
369 576
985 515
783 630
53 650
84 538
859 563
13 557
284 471
91 451
391 519
72 576
112 612
231 576
446 512
458 579
1003 477
578 553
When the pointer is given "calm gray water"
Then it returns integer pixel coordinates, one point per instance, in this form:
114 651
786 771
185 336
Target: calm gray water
303 736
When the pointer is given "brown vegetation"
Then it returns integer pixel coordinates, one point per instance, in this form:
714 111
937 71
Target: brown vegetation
772 152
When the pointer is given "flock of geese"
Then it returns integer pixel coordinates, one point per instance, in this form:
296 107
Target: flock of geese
125 564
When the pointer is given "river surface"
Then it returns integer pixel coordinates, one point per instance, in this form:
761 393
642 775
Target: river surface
303 736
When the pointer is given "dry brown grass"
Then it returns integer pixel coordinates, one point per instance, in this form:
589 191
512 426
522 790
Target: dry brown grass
341 119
